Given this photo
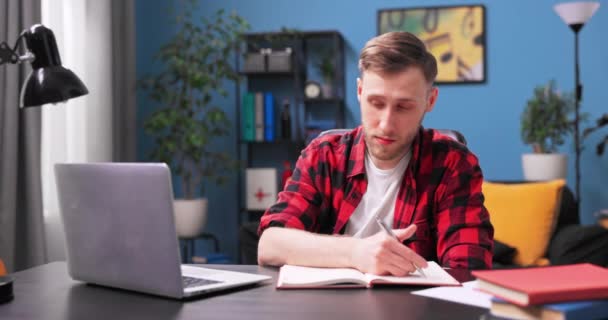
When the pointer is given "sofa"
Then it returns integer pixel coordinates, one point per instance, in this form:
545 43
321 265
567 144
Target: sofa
568 241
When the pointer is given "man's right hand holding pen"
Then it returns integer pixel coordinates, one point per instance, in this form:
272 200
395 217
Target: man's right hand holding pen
385 254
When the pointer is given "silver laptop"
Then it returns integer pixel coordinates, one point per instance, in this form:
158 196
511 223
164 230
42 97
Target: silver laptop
120 231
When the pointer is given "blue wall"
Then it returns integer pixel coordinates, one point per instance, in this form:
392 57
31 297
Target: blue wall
527 45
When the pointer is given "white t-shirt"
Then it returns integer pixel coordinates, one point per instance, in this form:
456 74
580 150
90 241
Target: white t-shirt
379 198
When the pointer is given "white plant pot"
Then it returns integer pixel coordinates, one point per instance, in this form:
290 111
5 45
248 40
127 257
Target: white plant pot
544 166
190 217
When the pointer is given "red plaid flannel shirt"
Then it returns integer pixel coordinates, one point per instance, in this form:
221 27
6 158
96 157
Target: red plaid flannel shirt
440 193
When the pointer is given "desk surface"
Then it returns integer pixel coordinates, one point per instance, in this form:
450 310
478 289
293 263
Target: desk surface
47 292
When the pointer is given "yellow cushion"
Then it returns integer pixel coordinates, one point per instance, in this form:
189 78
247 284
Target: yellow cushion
524 216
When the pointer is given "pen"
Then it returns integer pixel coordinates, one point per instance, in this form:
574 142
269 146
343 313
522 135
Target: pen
390 233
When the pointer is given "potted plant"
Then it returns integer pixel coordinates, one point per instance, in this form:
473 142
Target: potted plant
325 67
195 65
545 122
599 123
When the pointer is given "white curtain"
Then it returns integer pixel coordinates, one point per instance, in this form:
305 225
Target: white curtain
80 129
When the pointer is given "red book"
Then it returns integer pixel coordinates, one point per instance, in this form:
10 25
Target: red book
530 286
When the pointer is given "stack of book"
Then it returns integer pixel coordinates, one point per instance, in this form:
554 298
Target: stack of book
258 117
578 291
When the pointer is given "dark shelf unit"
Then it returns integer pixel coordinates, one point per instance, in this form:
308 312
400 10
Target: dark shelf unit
323 100
267 74
305 47
274 142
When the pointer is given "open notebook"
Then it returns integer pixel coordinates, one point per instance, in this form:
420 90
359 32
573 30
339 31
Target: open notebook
296 277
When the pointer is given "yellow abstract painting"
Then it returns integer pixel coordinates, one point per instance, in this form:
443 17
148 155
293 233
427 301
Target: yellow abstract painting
455 35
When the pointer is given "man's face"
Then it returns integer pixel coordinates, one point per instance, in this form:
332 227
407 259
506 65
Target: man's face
392 109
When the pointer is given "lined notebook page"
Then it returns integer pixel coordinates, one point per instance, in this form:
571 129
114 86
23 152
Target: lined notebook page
297 275
435 275
309 277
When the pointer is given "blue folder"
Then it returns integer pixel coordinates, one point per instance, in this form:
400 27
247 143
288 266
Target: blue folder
268 117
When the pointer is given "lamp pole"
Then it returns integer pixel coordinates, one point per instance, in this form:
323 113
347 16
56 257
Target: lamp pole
577 102
576 14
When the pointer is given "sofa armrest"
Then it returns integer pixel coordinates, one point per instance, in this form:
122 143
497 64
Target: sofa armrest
577 243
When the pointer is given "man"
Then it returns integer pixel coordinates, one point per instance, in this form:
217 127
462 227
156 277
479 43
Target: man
425 185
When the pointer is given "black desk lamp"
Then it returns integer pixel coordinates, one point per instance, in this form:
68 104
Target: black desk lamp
48 82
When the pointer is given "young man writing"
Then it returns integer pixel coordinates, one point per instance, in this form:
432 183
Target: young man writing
425 185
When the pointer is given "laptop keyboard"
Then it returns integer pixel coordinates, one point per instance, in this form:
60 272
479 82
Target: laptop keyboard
190 282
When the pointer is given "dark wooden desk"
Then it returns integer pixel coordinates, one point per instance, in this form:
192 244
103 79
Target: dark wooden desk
47 292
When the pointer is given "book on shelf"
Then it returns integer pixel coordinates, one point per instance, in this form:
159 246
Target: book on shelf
248 118
298 277
269 117
586 309
259 116
541 285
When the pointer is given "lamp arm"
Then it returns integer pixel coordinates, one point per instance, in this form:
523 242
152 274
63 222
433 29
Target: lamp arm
11 55
7 54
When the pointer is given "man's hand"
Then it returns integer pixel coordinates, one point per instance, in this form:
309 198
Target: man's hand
382 254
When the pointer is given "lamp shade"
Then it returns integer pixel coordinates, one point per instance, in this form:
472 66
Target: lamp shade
48 82
576 14
51 85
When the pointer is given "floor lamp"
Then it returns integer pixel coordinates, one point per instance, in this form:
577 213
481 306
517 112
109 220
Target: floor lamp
49 81
575 15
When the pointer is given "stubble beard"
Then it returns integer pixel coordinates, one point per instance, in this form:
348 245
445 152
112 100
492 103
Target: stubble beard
386 153
395 151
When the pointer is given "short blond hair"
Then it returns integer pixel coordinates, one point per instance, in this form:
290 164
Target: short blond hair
396 51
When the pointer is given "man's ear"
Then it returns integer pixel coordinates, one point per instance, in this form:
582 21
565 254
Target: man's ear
430 104
359 83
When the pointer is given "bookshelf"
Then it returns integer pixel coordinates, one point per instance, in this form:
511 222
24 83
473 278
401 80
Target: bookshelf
285 80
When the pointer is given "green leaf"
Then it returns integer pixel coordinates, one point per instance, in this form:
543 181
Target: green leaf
547 118
193 68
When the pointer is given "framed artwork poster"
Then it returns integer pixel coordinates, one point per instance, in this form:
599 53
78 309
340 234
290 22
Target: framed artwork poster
455 35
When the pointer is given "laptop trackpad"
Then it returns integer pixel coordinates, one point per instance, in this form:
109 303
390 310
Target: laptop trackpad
191 282
210 274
